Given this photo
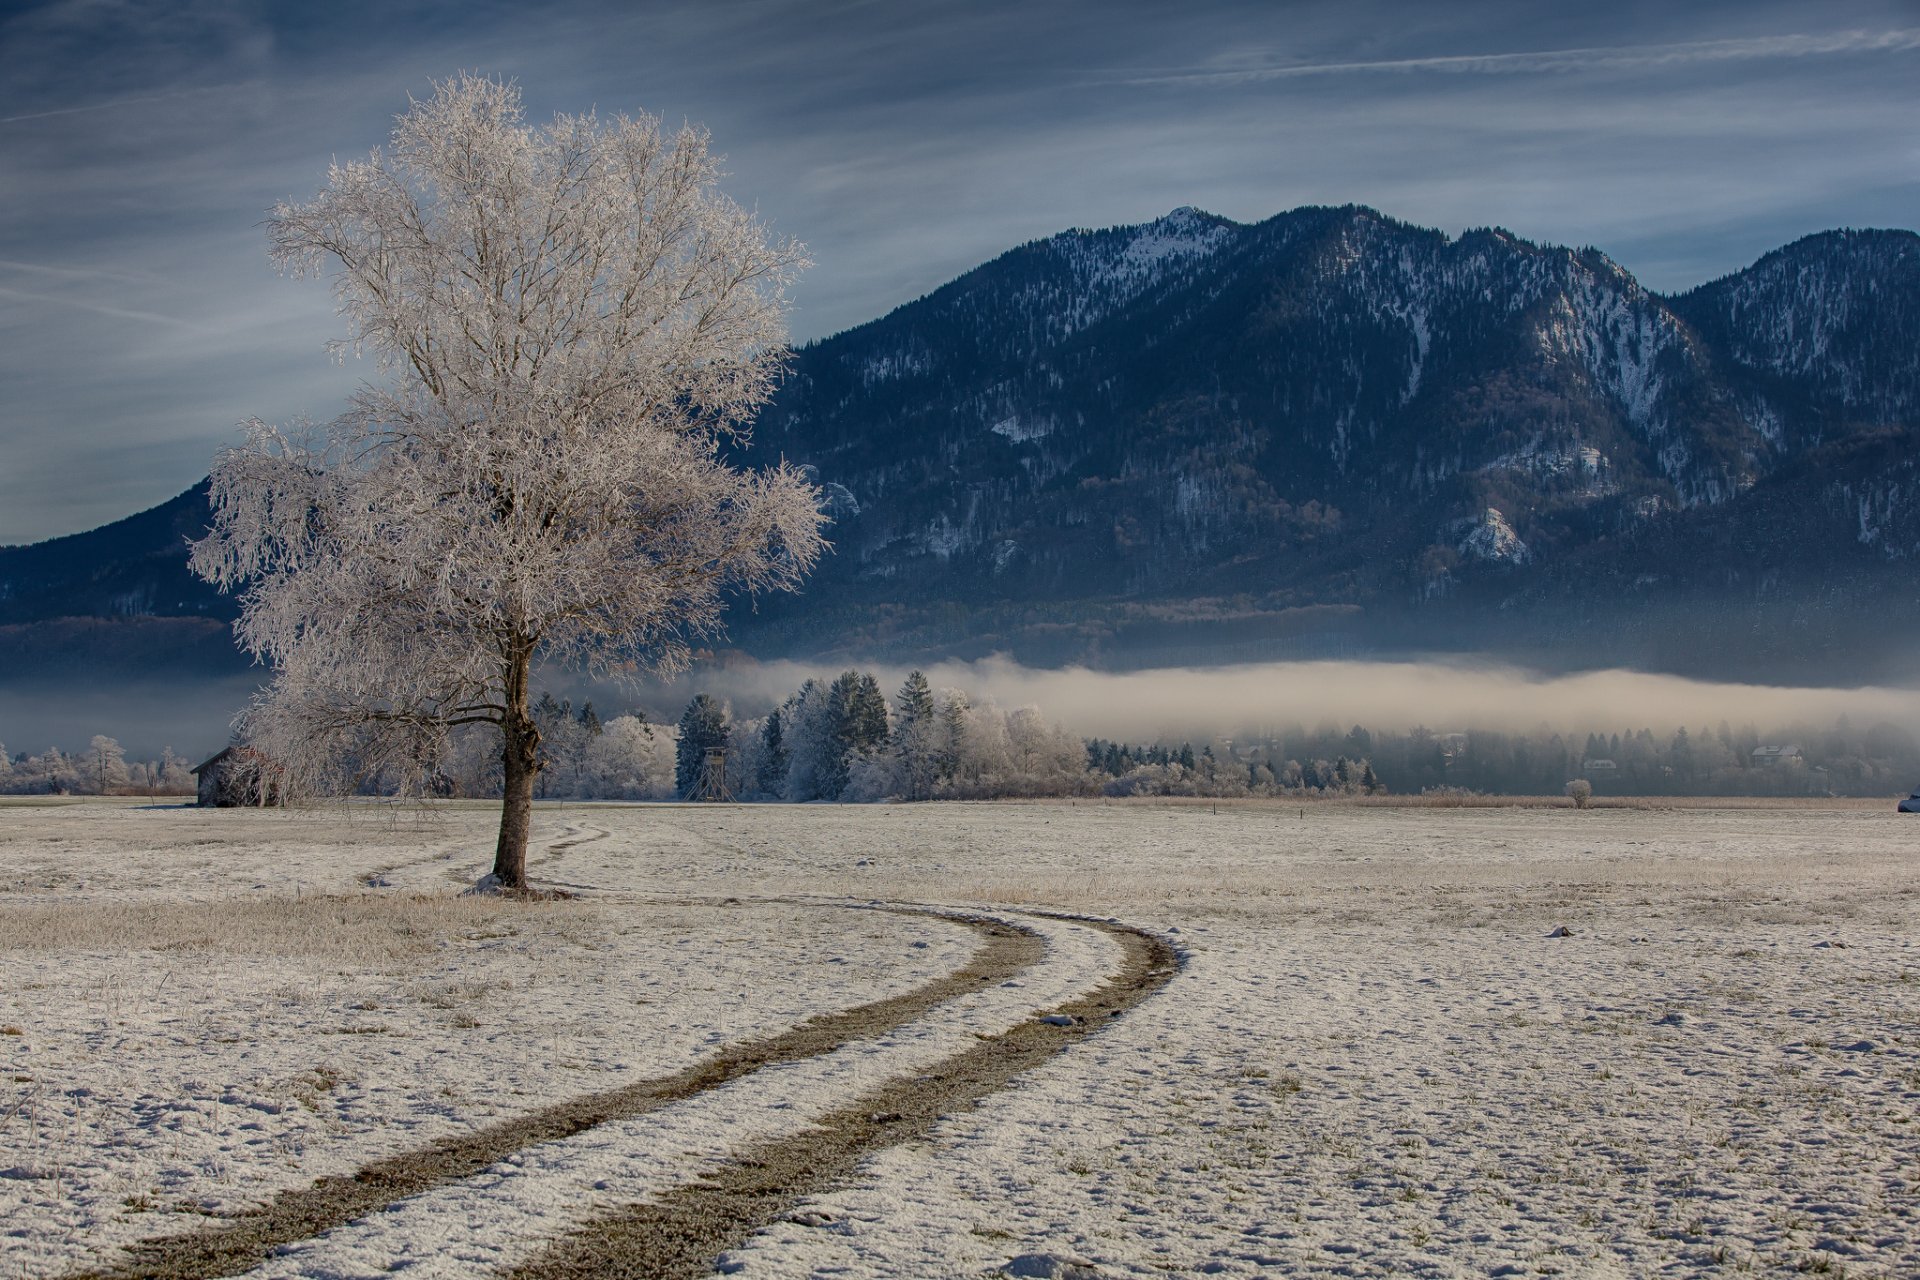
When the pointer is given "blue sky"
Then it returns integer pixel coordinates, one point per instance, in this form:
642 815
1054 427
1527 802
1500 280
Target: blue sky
141 142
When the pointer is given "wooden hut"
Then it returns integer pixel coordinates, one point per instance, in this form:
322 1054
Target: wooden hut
237 777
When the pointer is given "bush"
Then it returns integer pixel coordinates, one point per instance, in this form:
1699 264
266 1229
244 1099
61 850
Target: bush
1582 793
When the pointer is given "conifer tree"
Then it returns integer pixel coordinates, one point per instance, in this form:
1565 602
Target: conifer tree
916 738
867 727
773 754
915 699
953 732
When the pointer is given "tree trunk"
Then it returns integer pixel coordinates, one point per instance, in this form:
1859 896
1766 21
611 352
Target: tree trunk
520 766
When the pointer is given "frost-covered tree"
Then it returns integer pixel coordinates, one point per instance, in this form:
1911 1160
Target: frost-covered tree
629 759
571 320
771 775
565 737
106 765
175 776
816 748
1052 761
746 748
50 773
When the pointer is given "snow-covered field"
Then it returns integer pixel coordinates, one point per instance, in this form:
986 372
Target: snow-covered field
1374 1060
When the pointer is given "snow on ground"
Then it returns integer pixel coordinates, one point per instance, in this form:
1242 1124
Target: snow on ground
1376 1061
196 1038
499 1218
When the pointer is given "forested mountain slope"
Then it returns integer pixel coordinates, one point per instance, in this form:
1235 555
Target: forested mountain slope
1329 432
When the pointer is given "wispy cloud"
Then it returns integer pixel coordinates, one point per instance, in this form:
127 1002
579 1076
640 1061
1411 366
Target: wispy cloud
74 273
1600 57
98 308
109 105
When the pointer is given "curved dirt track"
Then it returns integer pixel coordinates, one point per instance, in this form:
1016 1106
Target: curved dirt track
677 1235
683 1223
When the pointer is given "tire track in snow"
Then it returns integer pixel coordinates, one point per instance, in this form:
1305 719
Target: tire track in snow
576 834
570 838
509 1213
678 1235
292 1216
378 878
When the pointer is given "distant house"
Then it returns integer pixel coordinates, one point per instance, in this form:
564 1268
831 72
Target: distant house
237 777
1598 766
1774 757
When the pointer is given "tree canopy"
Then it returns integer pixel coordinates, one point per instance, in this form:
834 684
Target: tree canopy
569 321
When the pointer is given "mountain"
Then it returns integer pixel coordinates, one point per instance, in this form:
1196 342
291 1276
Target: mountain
1324 433
117 599
1331 432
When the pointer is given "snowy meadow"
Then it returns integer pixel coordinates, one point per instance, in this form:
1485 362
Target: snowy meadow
1398 1041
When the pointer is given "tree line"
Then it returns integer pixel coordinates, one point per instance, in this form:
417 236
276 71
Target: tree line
840 739
101 770
1839 759
845 739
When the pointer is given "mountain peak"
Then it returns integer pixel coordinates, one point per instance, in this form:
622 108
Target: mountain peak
1189 218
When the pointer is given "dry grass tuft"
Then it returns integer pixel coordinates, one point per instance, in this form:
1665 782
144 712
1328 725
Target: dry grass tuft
361 927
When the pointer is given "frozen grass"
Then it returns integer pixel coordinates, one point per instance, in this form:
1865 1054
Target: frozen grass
1376 1061
1452 800
211 1005
359 929
1476 800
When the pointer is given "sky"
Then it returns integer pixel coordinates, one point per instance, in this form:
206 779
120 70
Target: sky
142 141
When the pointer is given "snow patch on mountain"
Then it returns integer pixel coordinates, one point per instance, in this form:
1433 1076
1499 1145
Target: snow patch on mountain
1184 233
1020 431
1885 510
943 538
1581 468
1823 311
1765 421
1110 270
1492 539
892 366
1422 343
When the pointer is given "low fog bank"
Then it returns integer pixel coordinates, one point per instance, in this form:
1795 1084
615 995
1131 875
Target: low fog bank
1257 698
1171 703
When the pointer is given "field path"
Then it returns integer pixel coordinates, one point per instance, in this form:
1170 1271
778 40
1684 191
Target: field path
678 1234
494 1197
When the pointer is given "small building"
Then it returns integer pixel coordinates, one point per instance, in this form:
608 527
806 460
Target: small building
1775 757
711 784
1592 766
235 778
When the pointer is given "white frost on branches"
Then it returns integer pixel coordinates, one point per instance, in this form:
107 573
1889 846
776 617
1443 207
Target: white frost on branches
573 320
